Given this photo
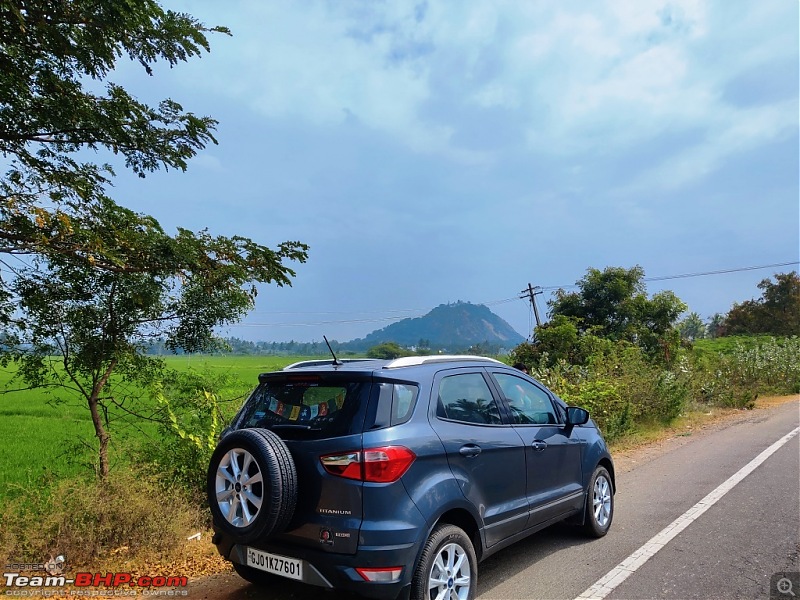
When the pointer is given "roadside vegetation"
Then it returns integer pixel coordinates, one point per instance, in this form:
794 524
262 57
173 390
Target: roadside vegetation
631 362
106 446
53 500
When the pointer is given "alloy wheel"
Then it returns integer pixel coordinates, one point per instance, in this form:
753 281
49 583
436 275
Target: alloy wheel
239 487
601 500
449 578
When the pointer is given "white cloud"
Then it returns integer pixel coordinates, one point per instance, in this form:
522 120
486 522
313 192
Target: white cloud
578 77
735 131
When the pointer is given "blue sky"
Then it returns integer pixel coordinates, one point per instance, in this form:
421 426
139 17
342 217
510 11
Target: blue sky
438 151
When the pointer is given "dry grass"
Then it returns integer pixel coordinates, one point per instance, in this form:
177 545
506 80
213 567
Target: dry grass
649 440
89 521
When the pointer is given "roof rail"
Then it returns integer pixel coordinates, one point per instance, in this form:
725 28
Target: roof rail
410 361
323 362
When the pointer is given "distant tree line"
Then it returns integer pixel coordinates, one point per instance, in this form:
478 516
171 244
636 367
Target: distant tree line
391 349
611 307
234 345
776 312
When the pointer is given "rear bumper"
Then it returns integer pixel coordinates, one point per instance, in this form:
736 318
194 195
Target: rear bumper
338 571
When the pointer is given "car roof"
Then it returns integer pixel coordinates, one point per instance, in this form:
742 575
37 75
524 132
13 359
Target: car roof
373 364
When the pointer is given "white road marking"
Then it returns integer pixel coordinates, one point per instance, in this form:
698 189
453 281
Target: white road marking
606 584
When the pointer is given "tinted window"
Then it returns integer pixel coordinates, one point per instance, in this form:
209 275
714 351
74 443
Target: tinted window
529 404
467 398
305 409
403 398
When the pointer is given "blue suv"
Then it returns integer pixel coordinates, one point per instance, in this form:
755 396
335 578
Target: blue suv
396 478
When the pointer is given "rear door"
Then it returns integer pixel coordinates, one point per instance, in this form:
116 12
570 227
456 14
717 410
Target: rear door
317 415
485 454
552 450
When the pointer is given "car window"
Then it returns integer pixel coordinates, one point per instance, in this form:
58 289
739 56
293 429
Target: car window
312 409
530 405
467 398
403 398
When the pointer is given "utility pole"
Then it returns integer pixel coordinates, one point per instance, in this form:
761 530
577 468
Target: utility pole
531 294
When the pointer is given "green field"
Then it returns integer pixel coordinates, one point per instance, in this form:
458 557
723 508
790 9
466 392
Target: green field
50 436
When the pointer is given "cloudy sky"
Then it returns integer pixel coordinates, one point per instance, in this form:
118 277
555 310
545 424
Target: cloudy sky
438 151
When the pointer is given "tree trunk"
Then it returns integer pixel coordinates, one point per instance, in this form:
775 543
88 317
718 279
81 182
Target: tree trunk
102 435
99 428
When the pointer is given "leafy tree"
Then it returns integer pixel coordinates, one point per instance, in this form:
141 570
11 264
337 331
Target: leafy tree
559 339
606 300
96 281
99 322
777 312
716 326
692 327
56 101
387 350
613 304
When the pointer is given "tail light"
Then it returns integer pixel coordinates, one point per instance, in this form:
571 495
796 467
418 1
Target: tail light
382 575
377 465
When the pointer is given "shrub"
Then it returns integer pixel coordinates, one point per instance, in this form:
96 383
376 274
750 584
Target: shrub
610 410
192 417
749 367
87 519
619 386
387 350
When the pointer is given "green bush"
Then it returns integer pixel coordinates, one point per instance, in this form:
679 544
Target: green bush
747 368
388 350
621 385
610 410
191 416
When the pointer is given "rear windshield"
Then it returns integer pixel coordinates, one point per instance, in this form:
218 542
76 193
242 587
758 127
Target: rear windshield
305 410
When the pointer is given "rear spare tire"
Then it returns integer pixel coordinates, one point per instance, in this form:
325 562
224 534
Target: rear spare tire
252 484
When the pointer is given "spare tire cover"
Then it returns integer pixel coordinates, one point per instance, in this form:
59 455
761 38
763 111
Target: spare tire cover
252 484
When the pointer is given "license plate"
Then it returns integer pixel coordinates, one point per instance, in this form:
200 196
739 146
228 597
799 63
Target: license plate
275 564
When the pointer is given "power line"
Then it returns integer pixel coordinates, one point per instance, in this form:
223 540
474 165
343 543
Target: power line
720 272
422 311
688 275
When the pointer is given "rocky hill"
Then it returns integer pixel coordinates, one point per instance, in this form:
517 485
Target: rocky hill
448 326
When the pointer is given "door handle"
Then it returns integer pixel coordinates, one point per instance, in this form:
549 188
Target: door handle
470 450
538 445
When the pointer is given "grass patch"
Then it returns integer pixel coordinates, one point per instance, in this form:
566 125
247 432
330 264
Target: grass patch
41 446
52 436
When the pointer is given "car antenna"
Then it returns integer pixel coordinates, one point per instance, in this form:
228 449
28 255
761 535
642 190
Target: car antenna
336 361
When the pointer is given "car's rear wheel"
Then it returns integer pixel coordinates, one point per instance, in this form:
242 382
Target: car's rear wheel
252 484
599 503
447 568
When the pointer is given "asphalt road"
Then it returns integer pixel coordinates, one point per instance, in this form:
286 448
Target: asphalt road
732 550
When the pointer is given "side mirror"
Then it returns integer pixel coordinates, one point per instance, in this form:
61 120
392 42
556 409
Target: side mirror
577 416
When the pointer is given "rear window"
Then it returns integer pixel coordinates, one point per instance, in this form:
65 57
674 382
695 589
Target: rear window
305 410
